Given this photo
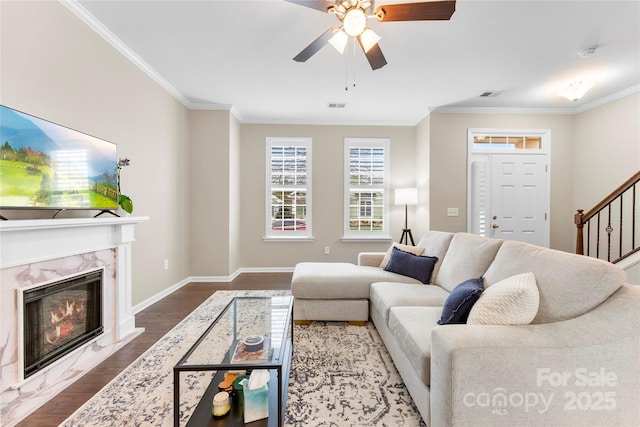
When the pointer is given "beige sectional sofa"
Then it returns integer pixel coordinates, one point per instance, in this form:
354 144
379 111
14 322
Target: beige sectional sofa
577 363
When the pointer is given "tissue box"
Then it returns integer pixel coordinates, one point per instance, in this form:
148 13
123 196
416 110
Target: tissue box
256 402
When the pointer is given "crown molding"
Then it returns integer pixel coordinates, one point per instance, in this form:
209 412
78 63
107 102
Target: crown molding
501 110
91 21
610 98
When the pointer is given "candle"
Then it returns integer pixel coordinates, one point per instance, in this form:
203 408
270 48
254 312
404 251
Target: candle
221 404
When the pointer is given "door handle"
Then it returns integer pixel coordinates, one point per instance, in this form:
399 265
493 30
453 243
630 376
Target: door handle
495 226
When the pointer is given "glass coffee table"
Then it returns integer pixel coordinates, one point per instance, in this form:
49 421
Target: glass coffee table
222 348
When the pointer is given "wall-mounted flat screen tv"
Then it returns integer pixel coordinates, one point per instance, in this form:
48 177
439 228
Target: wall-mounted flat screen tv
49 166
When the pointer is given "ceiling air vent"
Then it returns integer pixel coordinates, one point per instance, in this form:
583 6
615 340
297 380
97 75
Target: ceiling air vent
489 94
336 104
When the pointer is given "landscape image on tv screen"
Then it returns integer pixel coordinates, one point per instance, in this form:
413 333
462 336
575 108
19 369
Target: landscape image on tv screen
45 165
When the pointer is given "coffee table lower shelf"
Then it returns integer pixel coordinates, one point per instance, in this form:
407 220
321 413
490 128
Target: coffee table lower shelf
202 416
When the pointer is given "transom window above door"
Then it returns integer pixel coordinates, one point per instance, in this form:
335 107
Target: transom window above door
507 142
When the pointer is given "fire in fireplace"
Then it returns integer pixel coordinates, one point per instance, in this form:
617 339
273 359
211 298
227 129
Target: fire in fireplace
60 317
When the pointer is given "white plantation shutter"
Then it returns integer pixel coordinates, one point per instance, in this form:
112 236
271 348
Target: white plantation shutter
479 202
288 187
366 188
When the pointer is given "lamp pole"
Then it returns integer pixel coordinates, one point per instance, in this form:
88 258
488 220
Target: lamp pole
406 231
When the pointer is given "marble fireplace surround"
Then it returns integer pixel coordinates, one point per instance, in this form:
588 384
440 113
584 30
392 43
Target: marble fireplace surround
35 252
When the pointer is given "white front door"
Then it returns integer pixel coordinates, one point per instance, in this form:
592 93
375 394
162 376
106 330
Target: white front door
519 198
508 194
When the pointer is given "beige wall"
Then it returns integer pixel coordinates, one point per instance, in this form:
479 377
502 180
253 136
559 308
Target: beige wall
423 155
55 67
327 163
235 190
607 149
209 191
448 167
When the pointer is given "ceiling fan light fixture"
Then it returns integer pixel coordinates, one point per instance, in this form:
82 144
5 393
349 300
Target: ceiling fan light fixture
339 41
576 90
355 22
369 39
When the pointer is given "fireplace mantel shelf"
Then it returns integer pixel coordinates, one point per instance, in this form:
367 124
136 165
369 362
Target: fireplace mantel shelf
40 224
33 240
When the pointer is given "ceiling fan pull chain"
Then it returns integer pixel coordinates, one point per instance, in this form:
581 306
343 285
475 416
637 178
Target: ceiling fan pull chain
346 72
354 61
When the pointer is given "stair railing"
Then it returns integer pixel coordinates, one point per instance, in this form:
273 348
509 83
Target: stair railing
613 219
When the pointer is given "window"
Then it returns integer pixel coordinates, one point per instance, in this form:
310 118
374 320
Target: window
288 188
366 188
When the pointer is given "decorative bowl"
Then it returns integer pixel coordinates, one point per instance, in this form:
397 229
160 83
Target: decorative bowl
253 342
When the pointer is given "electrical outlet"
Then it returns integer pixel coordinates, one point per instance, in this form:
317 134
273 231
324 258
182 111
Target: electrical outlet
452 212
327 250
166 264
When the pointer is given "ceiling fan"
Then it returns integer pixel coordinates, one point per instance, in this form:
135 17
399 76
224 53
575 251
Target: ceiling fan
353 15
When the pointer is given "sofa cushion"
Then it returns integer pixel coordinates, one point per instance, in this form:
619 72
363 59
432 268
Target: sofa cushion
459 303
412 249
412 265
569 284
435 243
411 327
512 301
339 280
469 255
385 295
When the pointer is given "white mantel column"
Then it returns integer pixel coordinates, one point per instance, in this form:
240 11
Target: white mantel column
125 320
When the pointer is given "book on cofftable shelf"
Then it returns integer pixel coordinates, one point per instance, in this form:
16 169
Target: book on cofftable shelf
243 354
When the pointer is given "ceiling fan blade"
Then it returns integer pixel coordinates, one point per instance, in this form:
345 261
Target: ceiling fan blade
374 56
314 47
425 11
321 5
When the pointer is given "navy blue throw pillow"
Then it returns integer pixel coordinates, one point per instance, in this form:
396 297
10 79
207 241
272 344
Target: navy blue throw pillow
458 305
412 265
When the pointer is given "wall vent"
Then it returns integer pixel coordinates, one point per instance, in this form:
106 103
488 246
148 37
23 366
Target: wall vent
336 104
489 94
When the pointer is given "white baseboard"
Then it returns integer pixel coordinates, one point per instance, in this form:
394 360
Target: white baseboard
205 279
157 297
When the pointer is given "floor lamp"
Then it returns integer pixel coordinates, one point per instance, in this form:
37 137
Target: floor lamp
406 197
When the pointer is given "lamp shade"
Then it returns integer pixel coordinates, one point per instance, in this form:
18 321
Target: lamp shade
339 41
406 196
369 39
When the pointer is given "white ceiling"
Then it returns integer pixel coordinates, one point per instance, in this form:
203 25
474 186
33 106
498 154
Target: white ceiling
238 53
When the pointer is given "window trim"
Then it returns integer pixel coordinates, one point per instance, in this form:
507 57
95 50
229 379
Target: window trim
288 235
359 236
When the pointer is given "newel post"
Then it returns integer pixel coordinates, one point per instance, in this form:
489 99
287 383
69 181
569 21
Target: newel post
577 220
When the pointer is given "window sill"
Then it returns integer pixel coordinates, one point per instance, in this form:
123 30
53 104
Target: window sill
288 239
373 239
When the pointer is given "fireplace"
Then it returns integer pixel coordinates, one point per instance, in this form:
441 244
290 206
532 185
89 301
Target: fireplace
59 317
40 252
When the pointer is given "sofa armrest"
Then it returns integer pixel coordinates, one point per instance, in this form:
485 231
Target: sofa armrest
371 259
583 371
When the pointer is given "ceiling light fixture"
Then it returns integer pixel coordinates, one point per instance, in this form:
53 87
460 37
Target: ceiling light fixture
355 21
369 39
339 41
576 90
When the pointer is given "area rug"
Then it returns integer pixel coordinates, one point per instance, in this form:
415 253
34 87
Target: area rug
341 375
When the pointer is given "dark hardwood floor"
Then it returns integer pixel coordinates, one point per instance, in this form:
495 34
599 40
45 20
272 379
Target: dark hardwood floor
157 320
